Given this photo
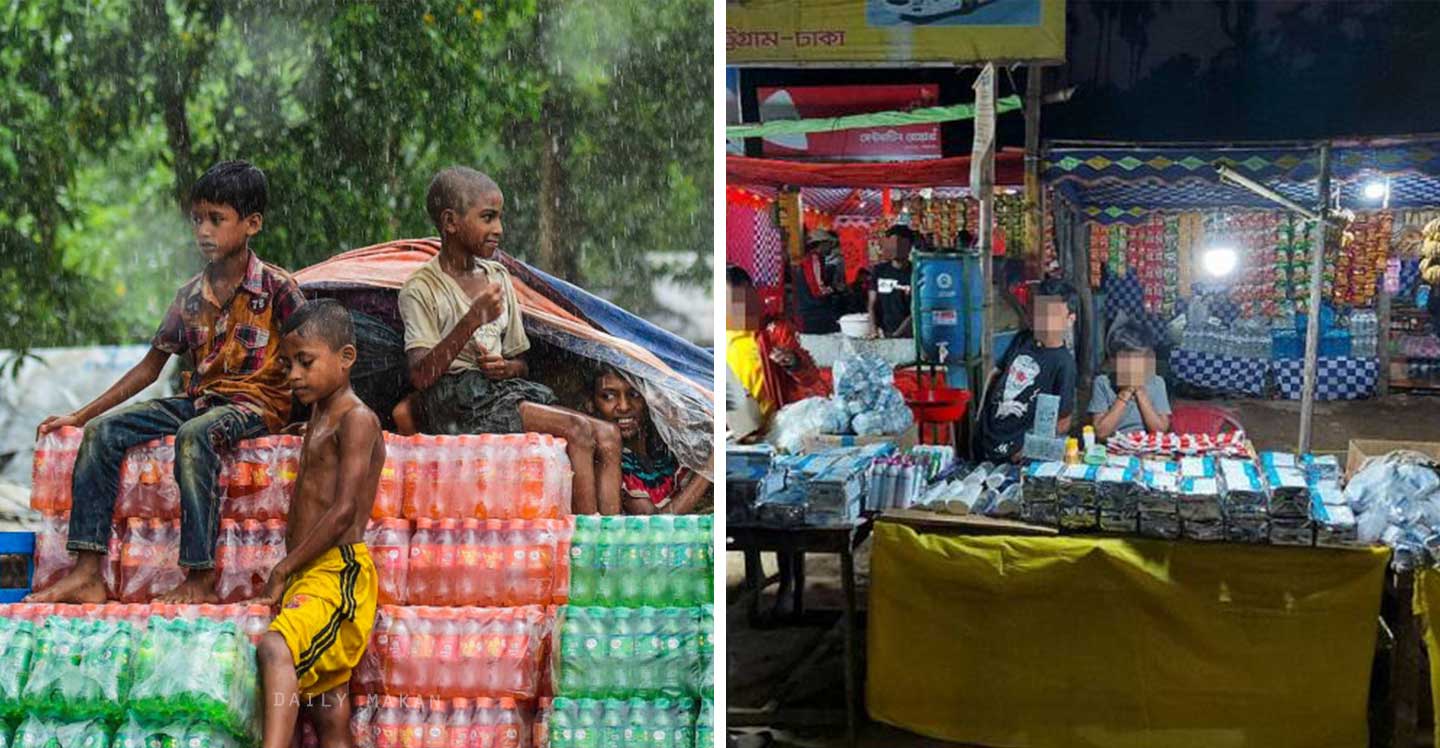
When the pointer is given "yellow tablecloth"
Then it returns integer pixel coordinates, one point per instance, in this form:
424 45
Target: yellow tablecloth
1071 641
1427 606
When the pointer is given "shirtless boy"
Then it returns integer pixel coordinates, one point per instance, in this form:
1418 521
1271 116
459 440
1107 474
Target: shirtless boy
326 580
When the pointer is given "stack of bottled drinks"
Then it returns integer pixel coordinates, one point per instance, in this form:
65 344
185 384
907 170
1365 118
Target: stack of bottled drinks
631 662
73 680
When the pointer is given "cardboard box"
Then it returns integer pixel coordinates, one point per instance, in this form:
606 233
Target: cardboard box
822 442
1363 449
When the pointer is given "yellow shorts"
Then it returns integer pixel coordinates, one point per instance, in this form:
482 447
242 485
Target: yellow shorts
326 617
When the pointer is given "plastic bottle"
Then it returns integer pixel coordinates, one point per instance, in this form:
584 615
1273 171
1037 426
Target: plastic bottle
649 650
654 581
251 556
507 724
467 562
147 502
583 560
388 492
422 650
677 721
437 725
491 580
704 560
444 453
621 655
362 719
287 472
509 675
447 545
632 561
389 544
705 724
447 665
44 474
461 723
638 719
530 493
388 723
608 550
613 724
482 726
413 491
412 723
681 560
135 560
588 723
272 552
675 634
420 589
398 665
462 485
257 622
472 649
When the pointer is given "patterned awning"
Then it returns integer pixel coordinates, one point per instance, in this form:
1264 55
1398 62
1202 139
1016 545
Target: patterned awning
1124 183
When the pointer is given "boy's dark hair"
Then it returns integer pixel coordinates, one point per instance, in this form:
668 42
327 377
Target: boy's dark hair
1127 336
1057 287
736 277
455 188
327 319
904 232
601 371
238 184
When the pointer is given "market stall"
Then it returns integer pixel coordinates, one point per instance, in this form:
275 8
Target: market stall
1222 274
858 202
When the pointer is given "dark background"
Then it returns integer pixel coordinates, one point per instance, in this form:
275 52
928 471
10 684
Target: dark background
1172 70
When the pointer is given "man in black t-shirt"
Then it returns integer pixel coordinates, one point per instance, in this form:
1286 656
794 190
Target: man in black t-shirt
1038 362
890 285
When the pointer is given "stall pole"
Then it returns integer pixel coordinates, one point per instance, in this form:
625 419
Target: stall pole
1382 321
982 183
1034 210
1312 323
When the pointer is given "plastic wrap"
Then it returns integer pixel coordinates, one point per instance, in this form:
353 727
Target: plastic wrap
683 412
579 723
866 384
1289 486
1244 491
749 476
456 652
477 476
245 552
798 421
1076 505
1396 500
1117 494
80 670
149 559
630 652
406 721
388 541
138 733
659 561
17 650
494 562
170 686
53 470
41 732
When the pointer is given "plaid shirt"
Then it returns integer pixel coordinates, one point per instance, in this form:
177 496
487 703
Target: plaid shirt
235 346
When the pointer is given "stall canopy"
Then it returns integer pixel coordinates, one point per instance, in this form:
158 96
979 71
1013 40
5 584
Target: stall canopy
1122 183
674 375
940 172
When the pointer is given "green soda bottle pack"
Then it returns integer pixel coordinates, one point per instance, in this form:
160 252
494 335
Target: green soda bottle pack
17 649
80 670
658 561
196 670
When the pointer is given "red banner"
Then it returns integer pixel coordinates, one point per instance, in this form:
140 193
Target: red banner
907 142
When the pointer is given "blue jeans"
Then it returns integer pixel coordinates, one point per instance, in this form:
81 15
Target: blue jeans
199 438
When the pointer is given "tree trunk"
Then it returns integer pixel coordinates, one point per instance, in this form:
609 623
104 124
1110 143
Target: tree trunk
556 252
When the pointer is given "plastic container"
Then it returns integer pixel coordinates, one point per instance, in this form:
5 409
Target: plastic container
856 326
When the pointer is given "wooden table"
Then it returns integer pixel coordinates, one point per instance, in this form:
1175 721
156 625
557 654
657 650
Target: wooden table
842 541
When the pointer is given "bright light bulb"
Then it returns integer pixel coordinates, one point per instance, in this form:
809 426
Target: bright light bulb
1220 261
1376 191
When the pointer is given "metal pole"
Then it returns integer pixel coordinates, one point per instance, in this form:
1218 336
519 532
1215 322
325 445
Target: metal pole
986 197
1312 325
1382 319
1034 217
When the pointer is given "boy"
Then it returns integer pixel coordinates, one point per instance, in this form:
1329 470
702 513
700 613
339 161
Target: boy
1035 364
327 578
464 339
228 318
890 290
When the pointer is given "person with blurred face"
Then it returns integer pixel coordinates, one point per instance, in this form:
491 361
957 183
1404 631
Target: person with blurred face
1038 362
1141 402
814 297
765 355
890 285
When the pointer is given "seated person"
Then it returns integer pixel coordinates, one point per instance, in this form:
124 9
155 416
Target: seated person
651 479
765 354
1038 362
1142 403
464 340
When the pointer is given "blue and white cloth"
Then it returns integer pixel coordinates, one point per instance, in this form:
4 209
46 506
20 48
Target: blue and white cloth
1244 376
1335 378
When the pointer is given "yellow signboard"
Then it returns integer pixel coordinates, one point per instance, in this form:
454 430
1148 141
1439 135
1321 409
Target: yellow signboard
839 32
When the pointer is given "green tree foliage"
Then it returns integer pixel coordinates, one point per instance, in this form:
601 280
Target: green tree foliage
594 115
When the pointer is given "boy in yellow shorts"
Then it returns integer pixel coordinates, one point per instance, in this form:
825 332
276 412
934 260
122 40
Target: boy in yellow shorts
326 580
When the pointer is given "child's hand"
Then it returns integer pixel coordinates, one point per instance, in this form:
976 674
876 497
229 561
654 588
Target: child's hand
55 423
783 358
495 366
488 303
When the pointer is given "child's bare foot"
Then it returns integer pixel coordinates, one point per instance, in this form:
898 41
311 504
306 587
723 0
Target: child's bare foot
198 588
78 586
